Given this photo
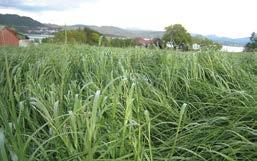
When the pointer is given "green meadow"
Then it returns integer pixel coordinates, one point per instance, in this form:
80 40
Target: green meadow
84 103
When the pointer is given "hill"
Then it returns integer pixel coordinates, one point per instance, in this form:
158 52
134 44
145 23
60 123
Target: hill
229 41
225 40
29 25
106 30
21 23
120 32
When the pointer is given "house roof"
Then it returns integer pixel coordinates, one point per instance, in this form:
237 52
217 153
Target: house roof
143 41
18 34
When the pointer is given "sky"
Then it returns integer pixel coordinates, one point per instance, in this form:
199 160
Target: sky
228 18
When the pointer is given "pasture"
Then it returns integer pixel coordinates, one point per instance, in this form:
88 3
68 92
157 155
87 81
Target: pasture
84 103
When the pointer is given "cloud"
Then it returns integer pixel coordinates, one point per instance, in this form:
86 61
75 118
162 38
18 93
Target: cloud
41 5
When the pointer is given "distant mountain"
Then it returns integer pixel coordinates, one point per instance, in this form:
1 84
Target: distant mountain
51 25
111 30
225 40
107 30
19 22
28 25
148 34
229 41
120 32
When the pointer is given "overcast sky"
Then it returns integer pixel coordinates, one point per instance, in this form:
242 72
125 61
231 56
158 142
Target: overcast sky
231 18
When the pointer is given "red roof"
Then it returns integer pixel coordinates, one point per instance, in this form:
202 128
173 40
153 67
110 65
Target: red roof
8 37
142 41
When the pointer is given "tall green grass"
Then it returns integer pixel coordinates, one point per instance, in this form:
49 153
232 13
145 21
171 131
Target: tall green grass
81 103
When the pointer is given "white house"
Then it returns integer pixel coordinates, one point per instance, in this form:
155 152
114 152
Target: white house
196 46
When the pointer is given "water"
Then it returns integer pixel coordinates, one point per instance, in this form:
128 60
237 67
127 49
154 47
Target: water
38 38
232 48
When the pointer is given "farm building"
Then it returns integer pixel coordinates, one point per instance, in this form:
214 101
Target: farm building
143 42
9 36
196 46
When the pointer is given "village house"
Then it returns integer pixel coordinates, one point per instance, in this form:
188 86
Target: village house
196 46
10 37
143 41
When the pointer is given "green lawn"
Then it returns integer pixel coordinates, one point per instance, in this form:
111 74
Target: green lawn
82 103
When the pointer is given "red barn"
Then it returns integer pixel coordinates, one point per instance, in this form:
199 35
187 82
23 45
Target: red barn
8 37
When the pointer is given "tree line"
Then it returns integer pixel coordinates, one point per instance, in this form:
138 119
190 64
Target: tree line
88 36
176 36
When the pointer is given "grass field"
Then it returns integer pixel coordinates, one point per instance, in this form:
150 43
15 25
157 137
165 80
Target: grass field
81 103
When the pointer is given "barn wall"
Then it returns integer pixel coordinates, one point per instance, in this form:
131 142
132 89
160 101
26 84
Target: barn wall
8 38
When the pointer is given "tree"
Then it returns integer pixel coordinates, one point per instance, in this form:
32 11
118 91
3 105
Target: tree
158 43
178 36
80 36
252 45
